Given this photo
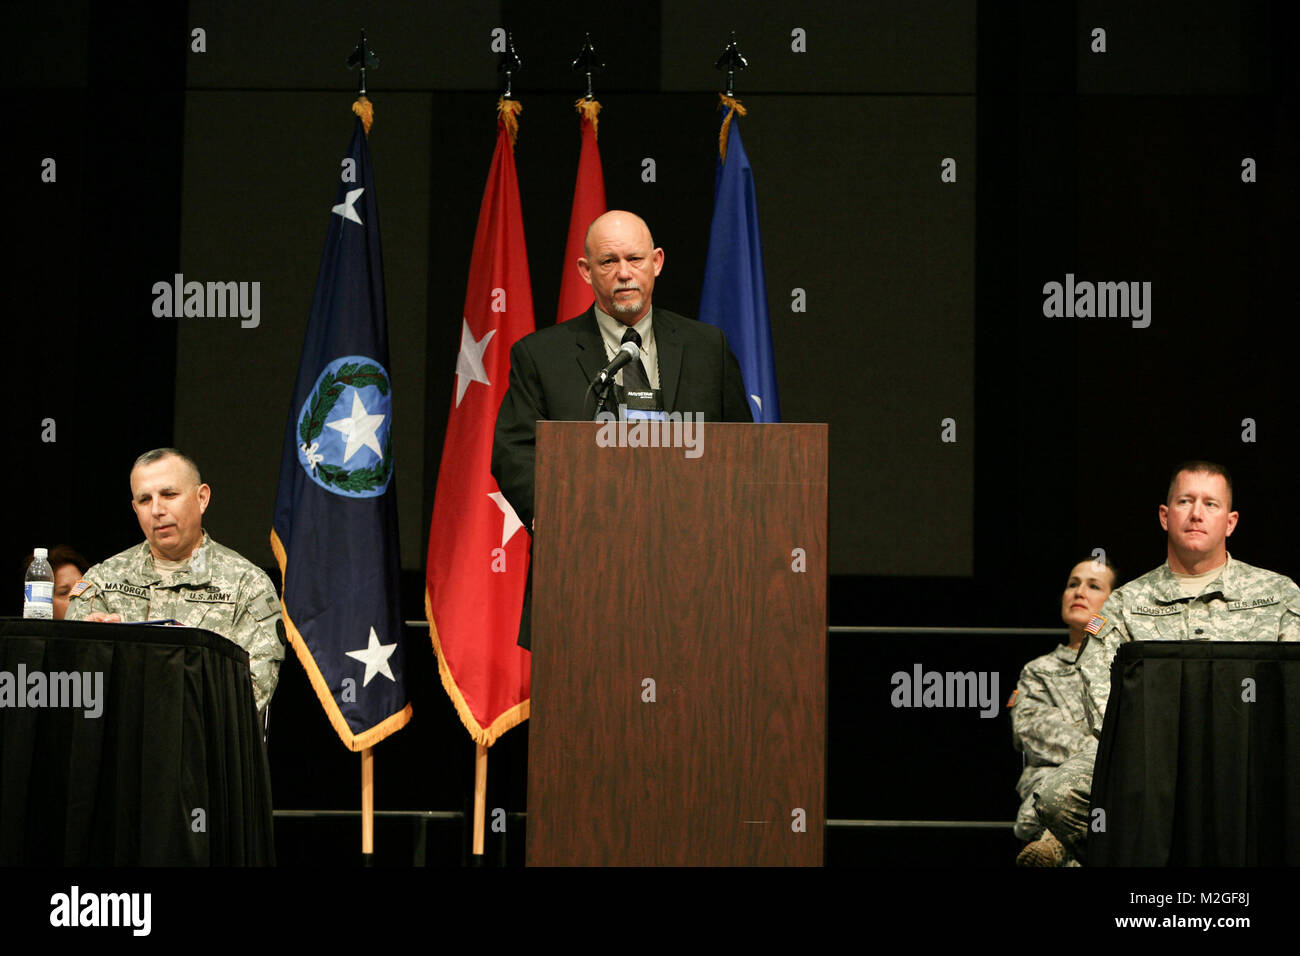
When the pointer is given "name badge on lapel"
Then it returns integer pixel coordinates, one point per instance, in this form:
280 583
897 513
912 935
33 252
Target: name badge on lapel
643 403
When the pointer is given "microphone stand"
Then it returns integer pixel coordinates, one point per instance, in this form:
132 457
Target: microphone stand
602 396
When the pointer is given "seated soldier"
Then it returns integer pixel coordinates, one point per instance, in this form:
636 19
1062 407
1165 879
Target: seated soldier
1047 716
180 573
1200 593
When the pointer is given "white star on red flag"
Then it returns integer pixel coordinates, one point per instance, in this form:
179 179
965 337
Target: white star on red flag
469 364
510 522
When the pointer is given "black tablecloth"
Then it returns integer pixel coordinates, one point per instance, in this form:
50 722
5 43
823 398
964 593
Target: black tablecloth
1188 772
173 772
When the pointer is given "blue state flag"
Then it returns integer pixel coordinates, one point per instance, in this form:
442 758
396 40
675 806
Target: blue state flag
335 527
735 287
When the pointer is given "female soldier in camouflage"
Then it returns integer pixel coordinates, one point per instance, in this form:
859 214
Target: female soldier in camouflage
1047 712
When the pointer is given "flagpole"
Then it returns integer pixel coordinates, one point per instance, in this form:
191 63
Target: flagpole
474 611
368 806
347 348
733 295
480 798
731 61
362 58
587 63
588 189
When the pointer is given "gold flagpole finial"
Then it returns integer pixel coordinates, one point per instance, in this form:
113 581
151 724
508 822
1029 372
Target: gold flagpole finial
361 59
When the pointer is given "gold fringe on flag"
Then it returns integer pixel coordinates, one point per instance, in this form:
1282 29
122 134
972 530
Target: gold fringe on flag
589 109
485 736
507 111
732 106
366 110
354 742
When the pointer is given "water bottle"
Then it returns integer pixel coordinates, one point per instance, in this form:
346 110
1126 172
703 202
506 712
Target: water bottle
38 587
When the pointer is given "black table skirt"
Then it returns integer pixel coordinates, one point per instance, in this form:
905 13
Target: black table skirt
1188 772
172 773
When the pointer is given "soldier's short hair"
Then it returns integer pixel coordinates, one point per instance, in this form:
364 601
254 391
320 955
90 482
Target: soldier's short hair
1199 467
149 457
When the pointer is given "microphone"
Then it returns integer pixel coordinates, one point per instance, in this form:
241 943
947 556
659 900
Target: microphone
627 352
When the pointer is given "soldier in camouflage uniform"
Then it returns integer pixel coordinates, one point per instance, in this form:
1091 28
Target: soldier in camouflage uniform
179 572
1047 726
1200 594
1047 710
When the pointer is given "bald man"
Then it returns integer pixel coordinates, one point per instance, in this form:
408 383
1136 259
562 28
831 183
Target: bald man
687 365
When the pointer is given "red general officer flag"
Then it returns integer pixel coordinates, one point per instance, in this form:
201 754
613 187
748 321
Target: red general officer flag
478 549
588 203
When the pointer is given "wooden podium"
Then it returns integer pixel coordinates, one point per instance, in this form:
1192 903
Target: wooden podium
678 710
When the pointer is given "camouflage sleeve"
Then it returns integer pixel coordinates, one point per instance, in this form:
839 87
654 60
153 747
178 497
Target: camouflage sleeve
1289 628
257 629
1094 660
86 600
1046 732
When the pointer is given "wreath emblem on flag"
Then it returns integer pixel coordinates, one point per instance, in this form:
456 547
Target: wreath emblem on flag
345 439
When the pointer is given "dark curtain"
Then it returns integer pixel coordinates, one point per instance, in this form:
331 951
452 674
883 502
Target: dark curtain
1199 760
172 773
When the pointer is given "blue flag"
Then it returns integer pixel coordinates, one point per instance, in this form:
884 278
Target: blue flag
335 527
735 289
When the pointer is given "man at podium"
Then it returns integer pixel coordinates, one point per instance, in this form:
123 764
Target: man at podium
684 365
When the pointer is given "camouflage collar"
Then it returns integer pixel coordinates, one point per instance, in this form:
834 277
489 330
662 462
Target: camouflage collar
1166 589
200 570
1064 653
144 573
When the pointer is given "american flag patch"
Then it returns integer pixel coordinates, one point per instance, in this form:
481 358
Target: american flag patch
1011 701
1095 625
79 587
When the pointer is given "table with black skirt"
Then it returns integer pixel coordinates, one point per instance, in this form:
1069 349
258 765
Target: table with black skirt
1199 759
171 772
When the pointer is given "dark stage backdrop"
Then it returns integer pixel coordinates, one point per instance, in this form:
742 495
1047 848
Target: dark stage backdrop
861 235
1167 159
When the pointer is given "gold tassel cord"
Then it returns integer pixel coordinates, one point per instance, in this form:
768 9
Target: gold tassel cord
508 112
732 106
589 110
366 110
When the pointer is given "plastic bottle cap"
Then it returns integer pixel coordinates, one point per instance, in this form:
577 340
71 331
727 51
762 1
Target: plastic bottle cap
41 553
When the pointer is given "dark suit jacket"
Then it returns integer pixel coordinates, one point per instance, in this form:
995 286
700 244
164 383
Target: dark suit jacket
551 369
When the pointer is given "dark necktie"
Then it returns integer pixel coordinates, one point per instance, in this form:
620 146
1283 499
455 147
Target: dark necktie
634 374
